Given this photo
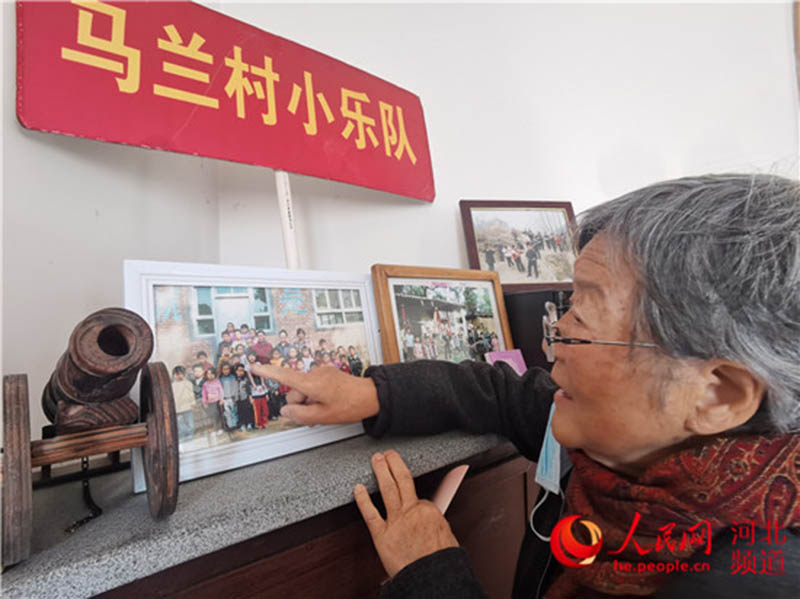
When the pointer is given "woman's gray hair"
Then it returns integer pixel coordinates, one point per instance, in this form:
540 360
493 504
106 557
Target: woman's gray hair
717 259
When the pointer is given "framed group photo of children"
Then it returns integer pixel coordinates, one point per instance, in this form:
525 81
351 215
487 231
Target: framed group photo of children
439 314
527 243
212 323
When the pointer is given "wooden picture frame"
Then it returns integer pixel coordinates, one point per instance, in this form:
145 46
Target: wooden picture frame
438 292
187 306
546 222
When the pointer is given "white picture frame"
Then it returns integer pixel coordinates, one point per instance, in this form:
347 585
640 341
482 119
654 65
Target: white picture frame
141 277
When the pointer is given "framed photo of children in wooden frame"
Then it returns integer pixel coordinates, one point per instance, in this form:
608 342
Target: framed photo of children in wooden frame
439 313
211 323
528 243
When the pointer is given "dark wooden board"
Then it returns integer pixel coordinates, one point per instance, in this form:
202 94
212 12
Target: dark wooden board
17 489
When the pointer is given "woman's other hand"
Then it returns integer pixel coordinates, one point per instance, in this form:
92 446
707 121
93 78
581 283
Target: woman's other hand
413 528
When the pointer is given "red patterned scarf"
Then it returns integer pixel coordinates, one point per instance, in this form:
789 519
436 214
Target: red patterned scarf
725 480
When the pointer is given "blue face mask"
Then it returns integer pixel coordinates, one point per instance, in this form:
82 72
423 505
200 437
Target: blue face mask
548 468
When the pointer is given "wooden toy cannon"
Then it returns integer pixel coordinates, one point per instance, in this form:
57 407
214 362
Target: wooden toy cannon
87 400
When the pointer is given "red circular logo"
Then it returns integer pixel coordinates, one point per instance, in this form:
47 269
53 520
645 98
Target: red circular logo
568 550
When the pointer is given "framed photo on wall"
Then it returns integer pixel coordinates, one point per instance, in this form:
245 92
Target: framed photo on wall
439 313
211 323
528 243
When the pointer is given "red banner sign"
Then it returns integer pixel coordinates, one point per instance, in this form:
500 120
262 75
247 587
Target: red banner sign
180 77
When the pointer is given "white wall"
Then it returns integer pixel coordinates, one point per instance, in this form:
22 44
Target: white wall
521 101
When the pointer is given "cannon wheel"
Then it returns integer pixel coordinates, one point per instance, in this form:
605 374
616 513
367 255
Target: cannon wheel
49 403
157 408
17 485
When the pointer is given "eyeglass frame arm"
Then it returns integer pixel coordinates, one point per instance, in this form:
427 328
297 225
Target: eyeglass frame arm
576 341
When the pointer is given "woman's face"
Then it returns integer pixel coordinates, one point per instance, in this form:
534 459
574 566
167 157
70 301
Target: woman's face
618 403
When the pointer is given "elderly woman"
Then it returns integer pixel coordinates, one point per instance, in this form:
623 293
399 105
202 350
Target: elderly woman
675 390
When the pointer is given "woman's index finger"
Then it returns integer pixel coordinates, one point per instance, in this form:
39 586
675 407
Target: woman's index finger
287 376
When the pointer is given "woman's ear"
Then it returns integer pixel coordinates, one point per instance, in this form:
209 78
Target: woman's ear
729 397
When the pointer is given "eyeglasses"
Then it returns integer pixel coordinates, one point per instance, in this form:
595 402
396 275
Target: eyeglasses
552 335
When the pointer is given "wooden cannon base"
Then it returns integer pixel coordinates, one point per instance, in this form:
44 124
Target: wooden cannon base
157 434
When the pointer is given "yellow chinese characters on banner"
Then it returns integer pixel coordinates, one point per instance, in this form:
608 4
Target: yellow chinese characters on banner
355 115
185 76
175 45
116 45
310 125
395 135
240 85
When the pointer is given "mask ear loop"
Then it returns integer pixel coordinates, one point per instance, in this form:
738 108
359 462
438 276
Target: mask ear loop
536 507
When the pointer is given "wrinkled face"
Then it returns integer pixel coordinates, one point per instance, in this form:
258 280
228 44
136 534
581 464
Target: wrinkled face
614 402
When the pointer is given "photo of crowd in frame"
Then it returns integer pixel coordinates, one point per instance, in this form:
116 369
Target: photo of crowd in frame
528 243
439 314
213 323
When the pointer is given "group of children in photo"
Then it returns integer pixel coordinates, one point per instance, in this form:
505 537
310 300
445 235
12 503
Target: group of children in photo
232 397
